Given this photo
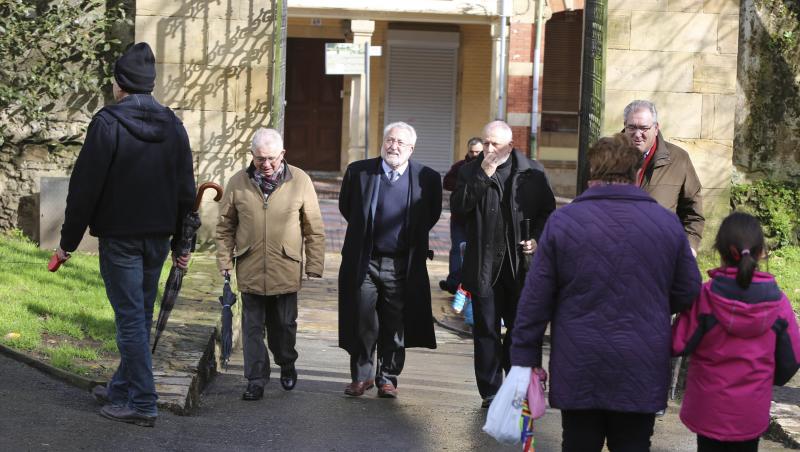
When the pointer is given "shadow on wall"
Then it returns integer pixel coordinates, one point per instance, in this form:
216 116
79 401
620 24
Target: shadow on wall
768 124
214 61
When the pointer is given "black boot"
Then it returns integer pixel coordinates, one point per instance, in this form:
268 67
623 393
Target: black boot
288 378
253 392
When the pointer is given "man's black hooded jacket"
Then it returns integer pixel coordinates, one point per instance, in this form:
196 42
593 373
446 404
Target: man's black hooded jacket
133 176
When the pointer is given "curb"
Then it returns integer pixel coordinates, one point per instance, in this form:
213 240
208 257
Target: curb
182 404
68 377
178 391
784 425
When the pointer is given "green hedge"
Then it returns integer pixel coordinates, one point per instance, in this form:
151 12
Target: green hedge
776 204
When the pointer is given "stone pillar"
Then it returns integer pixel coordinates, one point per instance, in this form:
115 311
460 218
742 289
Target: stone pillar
495 76
361 33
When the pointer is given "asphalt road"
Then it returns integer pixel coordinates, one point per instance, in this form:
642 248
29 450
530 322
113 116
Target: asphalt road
438 409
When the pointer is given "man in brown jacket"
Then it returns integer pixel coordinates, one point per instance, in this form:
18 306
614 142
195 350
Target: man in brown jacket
667 173
268 215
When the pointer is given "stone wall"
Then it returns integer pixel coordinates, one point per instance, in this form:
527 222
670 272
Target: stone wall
768 99
681 54
34 151
214 60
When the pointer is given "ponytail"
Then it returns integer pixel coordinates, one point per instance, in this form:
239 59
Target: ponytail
740 243
745 269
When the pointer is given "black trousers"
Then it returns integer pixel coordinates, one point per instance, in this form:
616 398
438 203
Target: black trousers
587 430
705 444
380 321
279 314
493 353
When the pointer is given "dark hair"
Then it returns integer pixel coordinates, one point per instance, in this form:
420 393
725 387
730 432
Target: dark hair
473 141
614 159
740 243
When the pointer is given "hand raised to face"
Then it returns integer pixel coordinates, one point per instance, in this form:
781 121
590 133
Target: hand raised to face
497 146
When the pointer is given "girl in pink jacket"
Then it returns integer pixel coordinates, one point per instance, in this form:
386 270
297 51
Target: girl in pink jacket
742 337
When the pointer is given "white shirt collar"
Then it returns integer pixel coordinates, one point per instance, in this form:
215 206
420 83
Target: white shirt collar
387 169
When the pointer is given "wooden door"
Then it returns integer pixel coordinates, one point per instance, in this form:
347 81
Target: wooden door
313 125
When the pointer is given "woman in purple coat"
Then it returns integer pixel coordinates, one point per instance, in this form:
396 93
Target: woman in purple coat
610 269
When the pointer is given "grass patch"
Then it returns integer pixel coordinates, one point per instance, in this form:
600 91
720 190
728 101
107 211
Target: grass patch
62 317
784 263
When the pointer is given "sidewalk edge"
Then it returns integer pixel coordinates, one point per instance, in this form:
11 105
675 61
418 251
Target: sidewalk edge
70 378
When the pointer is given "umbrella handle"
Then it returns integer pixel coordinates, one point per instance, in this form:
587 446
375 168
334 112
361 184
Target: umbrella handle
203 187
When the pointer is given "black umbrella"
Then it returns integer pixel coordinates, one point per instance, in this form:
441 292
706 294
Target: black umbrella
227 300
191 222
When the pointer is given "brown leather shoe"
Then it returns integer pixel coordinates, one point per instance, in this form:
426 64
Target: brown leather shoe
387 391
357 388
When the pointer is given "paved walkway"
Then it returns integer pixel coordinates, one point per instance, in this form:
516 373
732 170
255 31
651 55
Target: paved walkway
320 296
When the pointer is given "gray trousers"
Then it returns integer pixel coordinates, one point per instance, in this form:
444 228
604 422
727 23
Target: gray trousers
380 322
278 313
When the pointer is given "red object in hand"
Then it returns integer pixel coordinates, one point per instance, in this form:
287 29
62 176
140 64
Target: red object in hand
54 263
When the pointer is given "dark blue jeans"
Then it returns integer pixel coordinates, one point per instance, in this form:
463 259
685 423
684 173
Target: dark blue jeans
130 268
458 234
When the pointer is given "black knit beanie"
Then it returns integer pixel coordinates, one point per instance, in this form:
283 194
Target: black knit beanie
135 70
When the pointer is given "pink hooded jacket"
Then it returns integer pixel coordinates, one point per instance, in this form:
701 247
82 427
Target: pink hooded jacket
741 342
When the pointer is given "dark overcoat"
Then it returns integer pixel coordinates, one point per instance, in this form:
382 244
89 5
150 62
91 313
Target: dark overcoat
477 199
357 200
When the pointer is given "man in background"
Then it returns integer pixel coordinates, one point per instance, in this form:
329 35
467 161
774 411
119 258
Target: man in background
390 204
269 215
458 232
500 195
667 173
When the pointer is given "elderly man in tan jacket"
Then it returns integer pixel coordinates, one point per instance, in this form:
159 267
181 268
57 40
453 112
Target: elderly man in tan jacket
270 228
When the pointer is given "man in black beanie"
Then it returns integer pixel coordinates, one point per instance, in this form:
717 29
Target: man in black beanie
132 185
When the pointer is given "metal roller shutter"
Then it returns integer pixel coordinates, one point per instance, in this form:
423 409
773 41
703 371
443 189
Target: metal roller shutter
421 91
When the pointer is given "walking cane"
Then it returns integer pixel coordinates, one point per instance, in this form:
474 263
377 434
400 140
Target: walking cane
676 370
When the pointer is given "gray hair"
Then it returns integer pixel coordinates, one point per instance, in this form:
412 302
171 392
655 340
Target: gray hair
473 141
269 138
637 105
502 125
403 126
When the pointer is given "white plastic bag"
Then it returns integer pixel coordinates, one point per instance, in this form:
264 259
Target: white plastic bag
503 419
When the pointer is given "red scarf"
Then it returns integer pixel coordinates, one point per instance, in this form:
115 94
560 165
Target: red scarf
645 164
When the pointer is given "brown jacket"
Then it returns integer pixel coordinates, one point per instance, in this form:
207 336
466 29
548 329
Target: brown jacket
671 180
265 239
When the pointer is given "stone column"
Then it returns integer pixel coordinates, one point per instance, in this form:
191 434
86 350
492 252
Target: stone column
495 76
361 33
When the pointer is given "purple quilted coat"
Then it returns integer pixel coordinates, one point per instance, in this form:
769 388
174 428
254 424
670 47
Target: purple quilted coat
609 270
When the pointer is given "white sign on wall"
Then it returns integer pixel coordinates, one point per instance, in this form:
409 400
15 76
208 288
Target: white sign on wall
344 58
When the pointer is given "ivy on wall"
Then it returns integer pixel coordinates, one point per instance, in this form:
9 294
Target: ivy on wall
771 132
55 54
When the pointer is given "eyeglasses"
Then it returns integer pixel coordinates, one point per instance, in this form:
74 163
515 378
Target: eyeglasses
400 143
630 128
262 160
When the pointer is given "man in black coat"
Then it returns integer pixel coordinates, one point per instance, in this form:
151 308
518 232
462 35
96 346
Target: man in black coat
500 195
390 204
132 185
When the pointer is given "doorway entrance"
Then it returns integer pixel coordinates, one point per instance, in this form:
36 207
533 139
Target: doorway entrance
313 122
